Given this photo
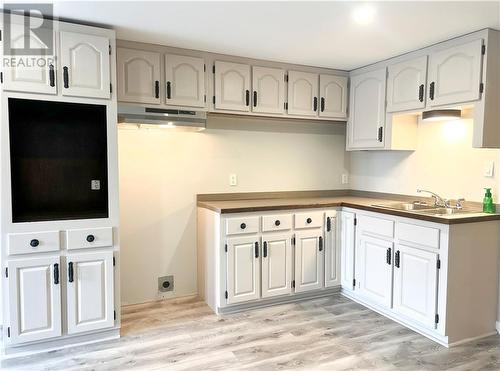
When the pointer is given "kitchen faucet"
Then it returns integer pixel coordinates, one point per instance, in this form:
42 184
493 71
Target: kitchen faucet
442 202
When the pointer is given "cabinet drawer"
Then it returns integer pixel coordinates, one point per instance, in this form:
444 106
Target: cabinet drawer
88 238
26 243
279 222
376 226
247 224
309 219
419 235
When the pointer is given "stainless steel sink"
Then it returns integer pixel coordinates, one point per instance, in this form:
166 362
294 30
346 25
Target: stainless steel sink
448 211
407 206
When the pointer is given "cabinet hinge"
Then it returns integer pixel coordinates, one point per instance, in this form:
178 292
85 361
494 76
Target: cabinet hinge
213 99
1 77
110 88
109 49
354 282
213 68
483 49
114 315
355 221
7 272
114 261
293 283
225 247
436 318
0 35
438 264
204 68
8 332
225 294
481 87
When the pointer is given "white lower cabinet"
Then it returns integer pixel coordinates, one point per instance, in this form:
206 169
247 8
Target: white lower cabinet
347 249
415 284
243 269
308 260
332 252
374 269
276 265
34 299
90 293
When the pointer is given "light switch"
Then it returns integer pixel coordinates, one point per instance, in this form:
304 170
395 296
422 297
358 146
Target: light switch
233 180
489 169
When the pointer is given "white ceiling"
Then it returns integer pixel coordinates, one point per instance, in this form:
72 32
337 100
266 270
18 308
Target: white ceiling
309 33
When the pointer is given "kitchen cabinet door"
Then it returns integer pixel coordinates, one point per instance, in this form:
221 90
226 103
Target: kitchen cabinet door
365 126
138 76
415 284
347 247
34 299
332 252
39 78
406 83
302 93
243 269
232 86
455 74
268 90
185 84
374 269
276 265
90 294
308 260
333 96
85 65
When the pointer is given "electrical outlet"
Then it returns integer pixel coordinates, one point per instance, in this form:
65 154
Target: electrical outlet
345 178
489 168
166 283
233 180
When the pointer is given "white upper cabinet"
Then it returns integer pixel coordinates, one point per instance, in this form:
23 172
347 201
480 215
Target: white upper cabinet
185 80
85 65
243 269
232 86
302 93
455 74
31 79
276 265
34 299
308 260
332 252
365 127
333 96
90 291
406 82
415 284
138 76
268 90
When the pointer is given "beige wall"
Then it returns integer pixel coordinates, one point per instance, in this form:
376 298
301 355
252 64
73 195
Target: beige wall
161 172
444 162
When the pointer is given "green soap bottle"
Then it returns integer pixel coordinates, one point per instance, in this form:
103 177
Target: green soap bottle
488 205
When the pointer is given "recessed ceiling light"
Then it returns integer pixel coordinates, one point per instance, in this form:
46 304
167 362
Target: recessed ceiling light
364 14
441 115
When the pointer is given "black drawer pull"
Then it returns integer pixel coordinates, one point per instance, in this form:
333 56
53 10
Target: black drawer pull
255 98
66 77
322 104
315 104
328 224
56 274
388 256
256 249
320 243
397 259
34 242
52 75
243 225
90 238
265 250
247 97
70 271
421 93
169 90
277 223
309 221
157 89
431 90
380 134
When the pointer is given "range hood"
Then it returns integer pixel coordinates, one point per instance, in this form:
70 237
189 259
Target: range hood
146 117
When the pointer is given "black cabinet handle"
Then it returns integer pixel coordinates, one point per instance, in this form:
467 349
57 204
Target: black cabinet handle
66 77
70 271
320 243
255 98
256 249
315 104
380 134
277 223
322 104
421 93
265 250
328 224
169 90
247 97
56 274
431 90
309 221
388 256
243 225
157 89
90 238
34 242
397 259
52 76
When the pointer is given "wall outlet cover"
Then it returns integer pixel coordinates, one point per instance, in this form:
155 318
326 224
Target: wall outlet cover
166 283
233 180
489 169
345 179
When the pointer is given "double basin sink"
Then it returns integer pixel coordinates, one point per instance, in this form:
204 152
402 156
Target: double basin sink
423 208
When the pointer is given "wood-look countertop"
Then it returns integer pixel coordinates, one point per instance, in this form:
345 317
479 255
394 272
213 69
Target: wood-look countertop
471 214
